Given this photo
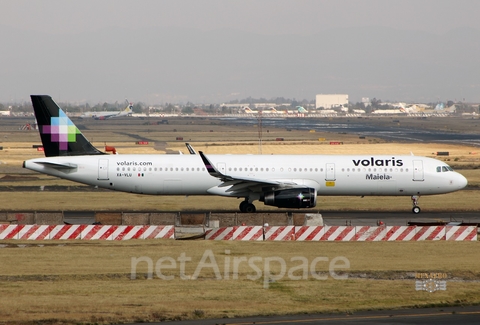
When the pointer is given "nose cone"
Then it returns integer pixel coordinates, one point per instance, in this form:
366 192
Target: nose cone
460 181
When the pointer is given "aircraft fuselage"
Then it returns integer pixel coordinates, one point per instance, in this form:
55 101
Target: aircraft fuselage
187 175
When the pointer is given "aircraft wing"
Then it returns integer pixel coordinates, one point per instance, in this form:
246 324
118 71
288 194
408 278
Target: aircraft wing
241 184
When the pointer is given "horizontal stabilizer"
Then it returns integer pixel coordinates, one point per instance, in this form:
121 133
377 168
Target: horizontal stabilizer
57 165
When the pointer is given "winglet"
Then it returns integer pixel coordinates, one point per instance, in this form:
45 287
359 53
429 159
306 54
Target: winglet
209 166
190 149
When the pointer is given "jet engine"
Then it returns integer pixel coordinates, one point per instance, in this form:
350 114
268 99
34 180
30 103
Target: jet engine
291 198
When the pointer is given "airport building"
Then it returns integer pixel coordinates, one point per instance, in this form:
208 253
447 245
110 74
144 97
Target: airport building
328 101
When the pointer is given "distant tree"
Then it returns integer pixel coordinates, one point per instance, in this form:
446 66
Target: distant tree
376 103
170 108
137 108
187 110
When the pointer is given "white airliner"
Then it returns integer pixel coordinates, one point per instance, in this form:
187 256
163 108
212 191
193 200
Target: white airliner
108 114
271 110
285 181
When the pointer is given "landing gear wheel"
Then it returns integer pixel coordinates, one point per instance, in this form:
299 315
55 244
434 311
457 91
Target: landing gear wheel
416 208
250 208
243 205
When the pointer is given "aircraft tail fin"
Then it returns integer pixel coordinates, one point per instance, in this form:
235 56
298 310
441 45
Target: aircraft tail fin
300 109
60 137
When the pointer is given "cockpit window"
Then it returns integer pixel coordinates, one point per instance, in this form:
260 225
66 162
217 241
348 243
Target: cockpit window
444 169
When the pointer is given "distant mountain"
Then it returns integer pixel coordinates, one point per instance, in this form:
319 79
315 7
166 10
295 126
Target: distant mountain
174 64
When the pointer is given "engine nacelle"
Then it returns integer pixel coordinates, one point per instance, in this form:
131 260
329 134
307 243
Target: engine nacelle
291 198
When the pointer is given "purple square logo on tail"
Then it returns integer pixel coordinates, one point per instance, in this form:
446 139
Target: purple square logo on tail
61 130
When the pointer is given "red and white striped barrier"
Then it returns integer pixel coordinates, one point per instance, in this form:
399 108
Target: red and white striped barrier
461 233
280 233
309 233
400 233
430 233
347 233
236 233
85 232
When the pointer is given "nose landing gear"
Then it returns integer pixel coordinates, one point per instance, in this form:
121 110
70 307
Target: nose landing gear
416 209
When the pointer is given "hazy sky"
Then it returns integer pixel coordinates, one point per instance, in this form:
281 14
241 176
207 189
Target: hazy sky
57 18
259 16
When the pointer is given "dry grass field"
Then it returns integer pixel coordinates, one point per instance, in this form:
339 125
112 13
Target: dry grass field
75 282
91 283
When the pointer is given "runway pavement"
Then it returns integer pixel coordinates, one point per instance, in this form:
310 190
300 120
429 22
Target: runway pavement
388 131
441 315
395 218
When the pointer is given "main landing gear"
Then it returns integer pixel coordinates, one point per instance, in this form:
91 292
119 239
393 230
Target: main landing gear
247 207
416 208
